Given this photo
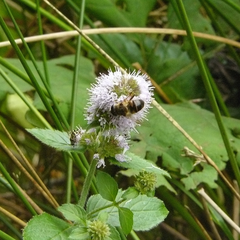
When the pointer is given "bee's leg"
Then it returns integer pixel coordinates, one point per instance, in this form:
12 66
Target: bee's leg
131 97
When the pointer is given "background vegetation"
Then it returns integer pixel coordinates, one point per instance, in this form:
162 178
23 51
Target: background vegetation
44 82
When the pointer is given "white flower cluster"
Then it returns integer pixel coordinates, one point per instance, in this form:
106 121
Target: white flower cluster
119 101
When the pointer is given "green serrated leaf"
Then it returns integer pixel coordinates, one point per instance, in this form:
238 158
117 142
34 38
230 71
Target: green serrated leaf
97 202
73 213
148 212
46 226
140 164
158 138
106 185
130 193
114 233
79 232
56 139
103 216
126 219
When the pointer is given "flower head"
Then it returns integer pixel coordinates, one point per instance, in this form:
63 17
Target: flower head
75 135
119 100
102 143
145 182
112 145
98 230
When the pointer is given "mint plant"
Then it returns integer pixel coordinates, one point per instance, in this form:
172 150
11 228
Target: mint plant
119 102
190 51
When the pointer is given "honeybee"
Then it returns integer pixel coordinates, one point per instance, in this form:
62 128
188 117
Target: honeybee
127 107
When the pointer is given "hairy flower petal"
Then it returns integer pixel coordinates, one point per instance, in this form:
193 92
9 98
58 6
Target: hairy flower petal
113 89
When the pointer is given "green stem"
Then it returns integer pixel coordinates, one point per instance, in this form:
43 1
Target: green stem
87 183
46 13
74 95
69 162
4 236
119 55
16 189
76 69
122 235
42 43
134 235
7 223
114 204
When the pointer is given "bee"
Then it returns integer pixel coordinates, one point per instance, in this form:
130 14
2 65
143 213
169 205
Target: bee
127 107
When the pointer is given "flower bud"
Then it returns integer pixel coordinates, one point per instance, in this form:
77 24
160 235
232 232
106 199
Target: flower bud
145 182
98 230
